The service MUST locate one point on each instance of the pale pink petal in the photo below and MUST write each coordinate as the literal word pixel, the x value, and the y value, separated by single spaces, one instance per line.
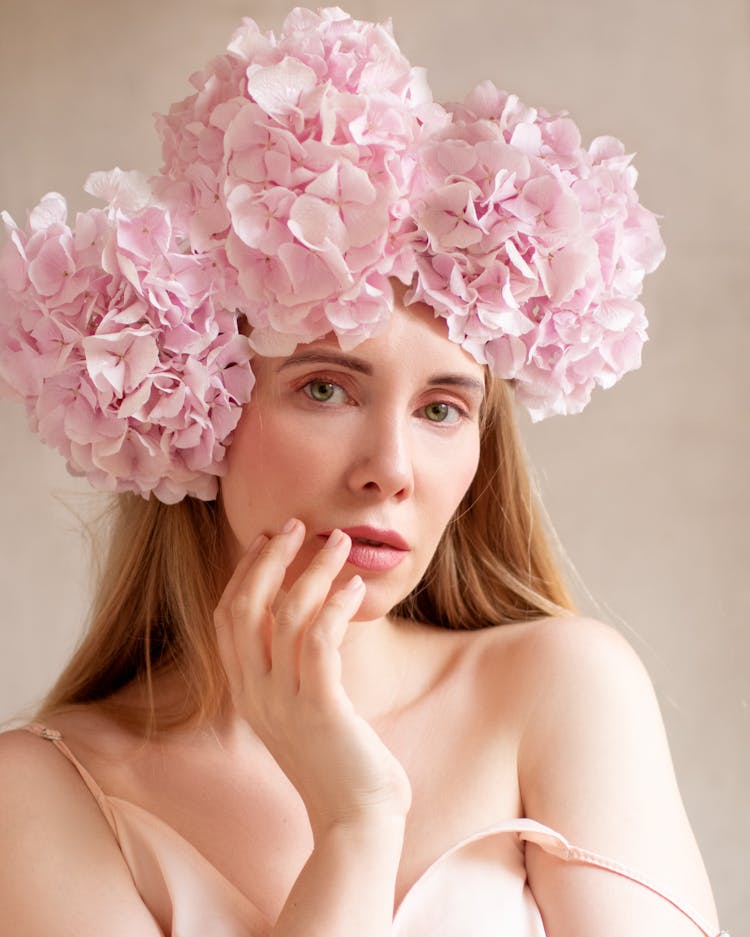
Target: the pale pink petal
pixel 316 223
pixel 128 191
pixel 52 210
pixel 51 267
pixel 277 88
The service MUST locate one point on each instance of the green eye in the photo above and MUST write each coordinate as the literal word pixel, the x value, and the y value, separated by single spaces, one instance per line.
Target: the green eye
pixel 321 390
pixel 438 412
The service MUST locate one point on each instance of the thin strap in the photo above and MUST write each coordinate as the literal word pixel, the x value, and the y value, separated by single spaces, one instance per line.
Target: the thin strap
pixel 527 830
pixel 555 844
pixel 52 735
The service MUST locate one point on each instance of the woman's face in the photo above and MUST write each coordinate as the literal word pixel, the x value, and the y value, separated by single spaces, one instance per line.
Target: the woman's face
pixel 382 442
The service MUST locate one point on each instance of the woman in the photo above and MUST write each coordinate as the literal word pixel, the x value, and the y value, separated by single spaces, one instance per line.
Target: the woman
pixel 291 707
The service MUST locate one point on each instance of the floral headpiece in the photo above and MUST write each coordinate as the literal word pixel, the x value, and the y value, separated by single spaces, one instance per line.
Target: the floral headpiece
pixel 306 172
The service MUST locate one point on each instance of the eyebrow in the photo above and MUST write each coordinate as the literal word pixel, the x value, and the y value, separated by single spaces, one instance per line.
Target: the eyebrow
pixel 362 367
pixel 328 357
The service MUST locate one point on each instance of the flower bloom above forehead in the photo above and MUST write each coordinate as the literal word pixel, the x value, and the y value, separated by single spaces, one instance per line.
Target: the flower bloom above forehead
pixel 305 172
pixel 301 155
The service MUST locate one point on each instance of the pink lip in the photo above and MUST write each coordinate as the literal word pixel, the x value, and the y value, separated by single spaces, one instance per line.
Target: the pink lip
pixel 388 538
pixel 386 551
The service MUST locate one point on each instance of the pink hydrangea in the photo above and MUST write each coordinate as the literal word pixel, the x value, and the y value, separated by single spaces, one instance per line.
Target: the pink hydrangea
pixel 305 174
pixel 299 155
pixel 534 249
pixel 112 335
pixel 336 171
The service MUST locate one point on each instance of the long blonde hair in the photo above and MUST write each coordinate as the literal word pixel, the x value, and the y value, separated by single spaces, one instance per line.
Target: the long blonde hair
pixel 166 568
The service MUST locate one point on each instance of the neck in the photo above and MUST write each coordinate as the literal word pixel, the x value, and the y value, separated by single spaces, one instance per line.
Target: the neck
pixel 379 667
pixel 385 665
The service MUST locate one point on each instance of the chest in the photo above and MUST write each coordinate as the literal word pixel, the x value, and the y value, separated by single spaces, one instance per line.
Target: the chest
pixel 248 821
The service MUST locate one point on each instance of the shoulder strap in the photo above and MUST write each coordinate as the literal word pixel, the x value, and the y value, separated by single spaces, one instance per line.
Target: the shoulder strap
pixel 52 735
pixel 554 843
pixel 527 830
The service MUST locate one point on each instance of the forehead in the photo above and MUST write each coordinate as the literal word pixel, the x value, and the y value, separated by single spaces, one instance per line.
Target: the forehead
pixel 414 338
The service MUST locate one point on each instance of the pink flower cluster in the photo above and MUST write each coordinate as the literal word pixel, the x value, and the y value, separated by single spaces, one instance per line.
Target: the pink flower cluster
pixel 534 249
pixel 322 165
pixel 304 174
pixel 111 334
pixel 300 156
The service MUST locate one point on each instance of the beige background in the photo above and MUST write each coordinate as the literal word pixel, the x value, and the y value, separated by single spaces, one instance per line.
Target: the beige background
pixel 648 488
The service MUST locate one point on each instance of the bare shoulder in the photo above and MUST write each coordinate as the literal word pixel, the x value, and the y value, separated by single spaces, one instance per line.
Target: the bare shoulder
pixel 595 697
pixel 580 653
pixel 594 762
pixel 531 666
pixel 588 723
pixel 588 687
pixel 55 840
pixel 33 771
pixel 568 640
pixel 37 785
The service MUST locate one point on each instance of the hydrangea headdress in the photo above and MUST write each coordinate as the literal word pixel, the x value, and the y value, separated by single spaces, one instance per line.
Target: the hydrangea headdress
pixel 305 173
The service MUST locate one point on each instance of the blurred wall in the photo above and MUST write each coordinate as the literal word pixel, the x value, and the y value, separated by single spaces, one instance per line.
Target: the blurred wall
pixel 647 489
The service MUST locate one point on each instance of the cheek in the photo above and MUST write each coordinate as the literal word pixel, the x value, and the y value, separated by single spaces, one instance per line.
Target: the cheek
pixel 271 468
pixel 291 461
pixel 262 452
pixel 458 474
pixel 470 464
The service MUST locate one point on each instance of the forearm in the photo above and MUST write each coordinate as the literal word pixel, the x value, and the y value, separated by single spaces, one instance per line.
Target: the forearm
pixel 347 885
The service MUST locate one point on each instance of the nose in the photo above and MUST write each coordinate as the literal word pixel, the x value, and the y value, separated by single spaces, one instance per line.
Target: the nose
pixel 382 462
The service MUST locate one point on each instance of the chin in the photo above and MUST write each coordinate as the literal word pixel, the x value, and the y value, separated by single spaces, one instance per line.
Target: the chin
pixel 370 610
pixel 379 602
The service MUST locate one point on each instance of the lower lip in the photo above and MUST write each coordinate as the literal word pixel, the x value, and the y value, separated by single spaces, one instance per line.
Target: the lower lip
pixel 376 559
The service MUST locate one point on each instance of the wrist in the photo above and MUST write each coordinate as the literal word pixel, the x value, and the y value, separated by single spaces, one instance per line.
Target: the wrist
pixel 378 827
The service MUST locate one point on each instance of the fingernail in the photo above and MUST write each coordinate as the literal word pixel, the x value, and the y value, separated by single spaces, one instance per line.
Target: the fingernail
pixel 289 526
pixel 354 584
pixel 334 539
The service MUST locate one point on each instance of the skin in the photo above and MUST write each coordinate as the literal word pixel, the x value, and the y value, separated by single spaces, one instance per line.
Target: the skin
pixel 379 452
pixel 338 441
pixel 351 731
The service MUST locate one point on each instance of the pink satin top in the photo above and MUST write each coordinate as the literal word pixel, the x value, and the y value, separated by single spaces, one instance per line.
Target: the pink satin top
pixel 471 890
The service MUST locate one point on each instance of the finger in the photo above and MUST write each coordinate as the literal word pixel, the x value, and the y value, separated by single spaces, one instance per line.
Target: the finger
pixel 224 621
pixel 255 594
pixel 320 659
pixel 301 606
pixel 240 570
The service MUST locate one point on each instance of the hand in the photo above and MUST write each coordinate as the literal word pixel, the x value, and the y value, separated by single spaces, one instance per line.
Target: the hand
pixel 282 660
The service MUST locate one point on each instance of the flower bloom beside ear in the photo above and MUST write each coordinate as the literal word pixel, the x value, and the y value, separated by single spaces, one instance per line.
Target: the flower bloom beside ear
pixel 111 334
